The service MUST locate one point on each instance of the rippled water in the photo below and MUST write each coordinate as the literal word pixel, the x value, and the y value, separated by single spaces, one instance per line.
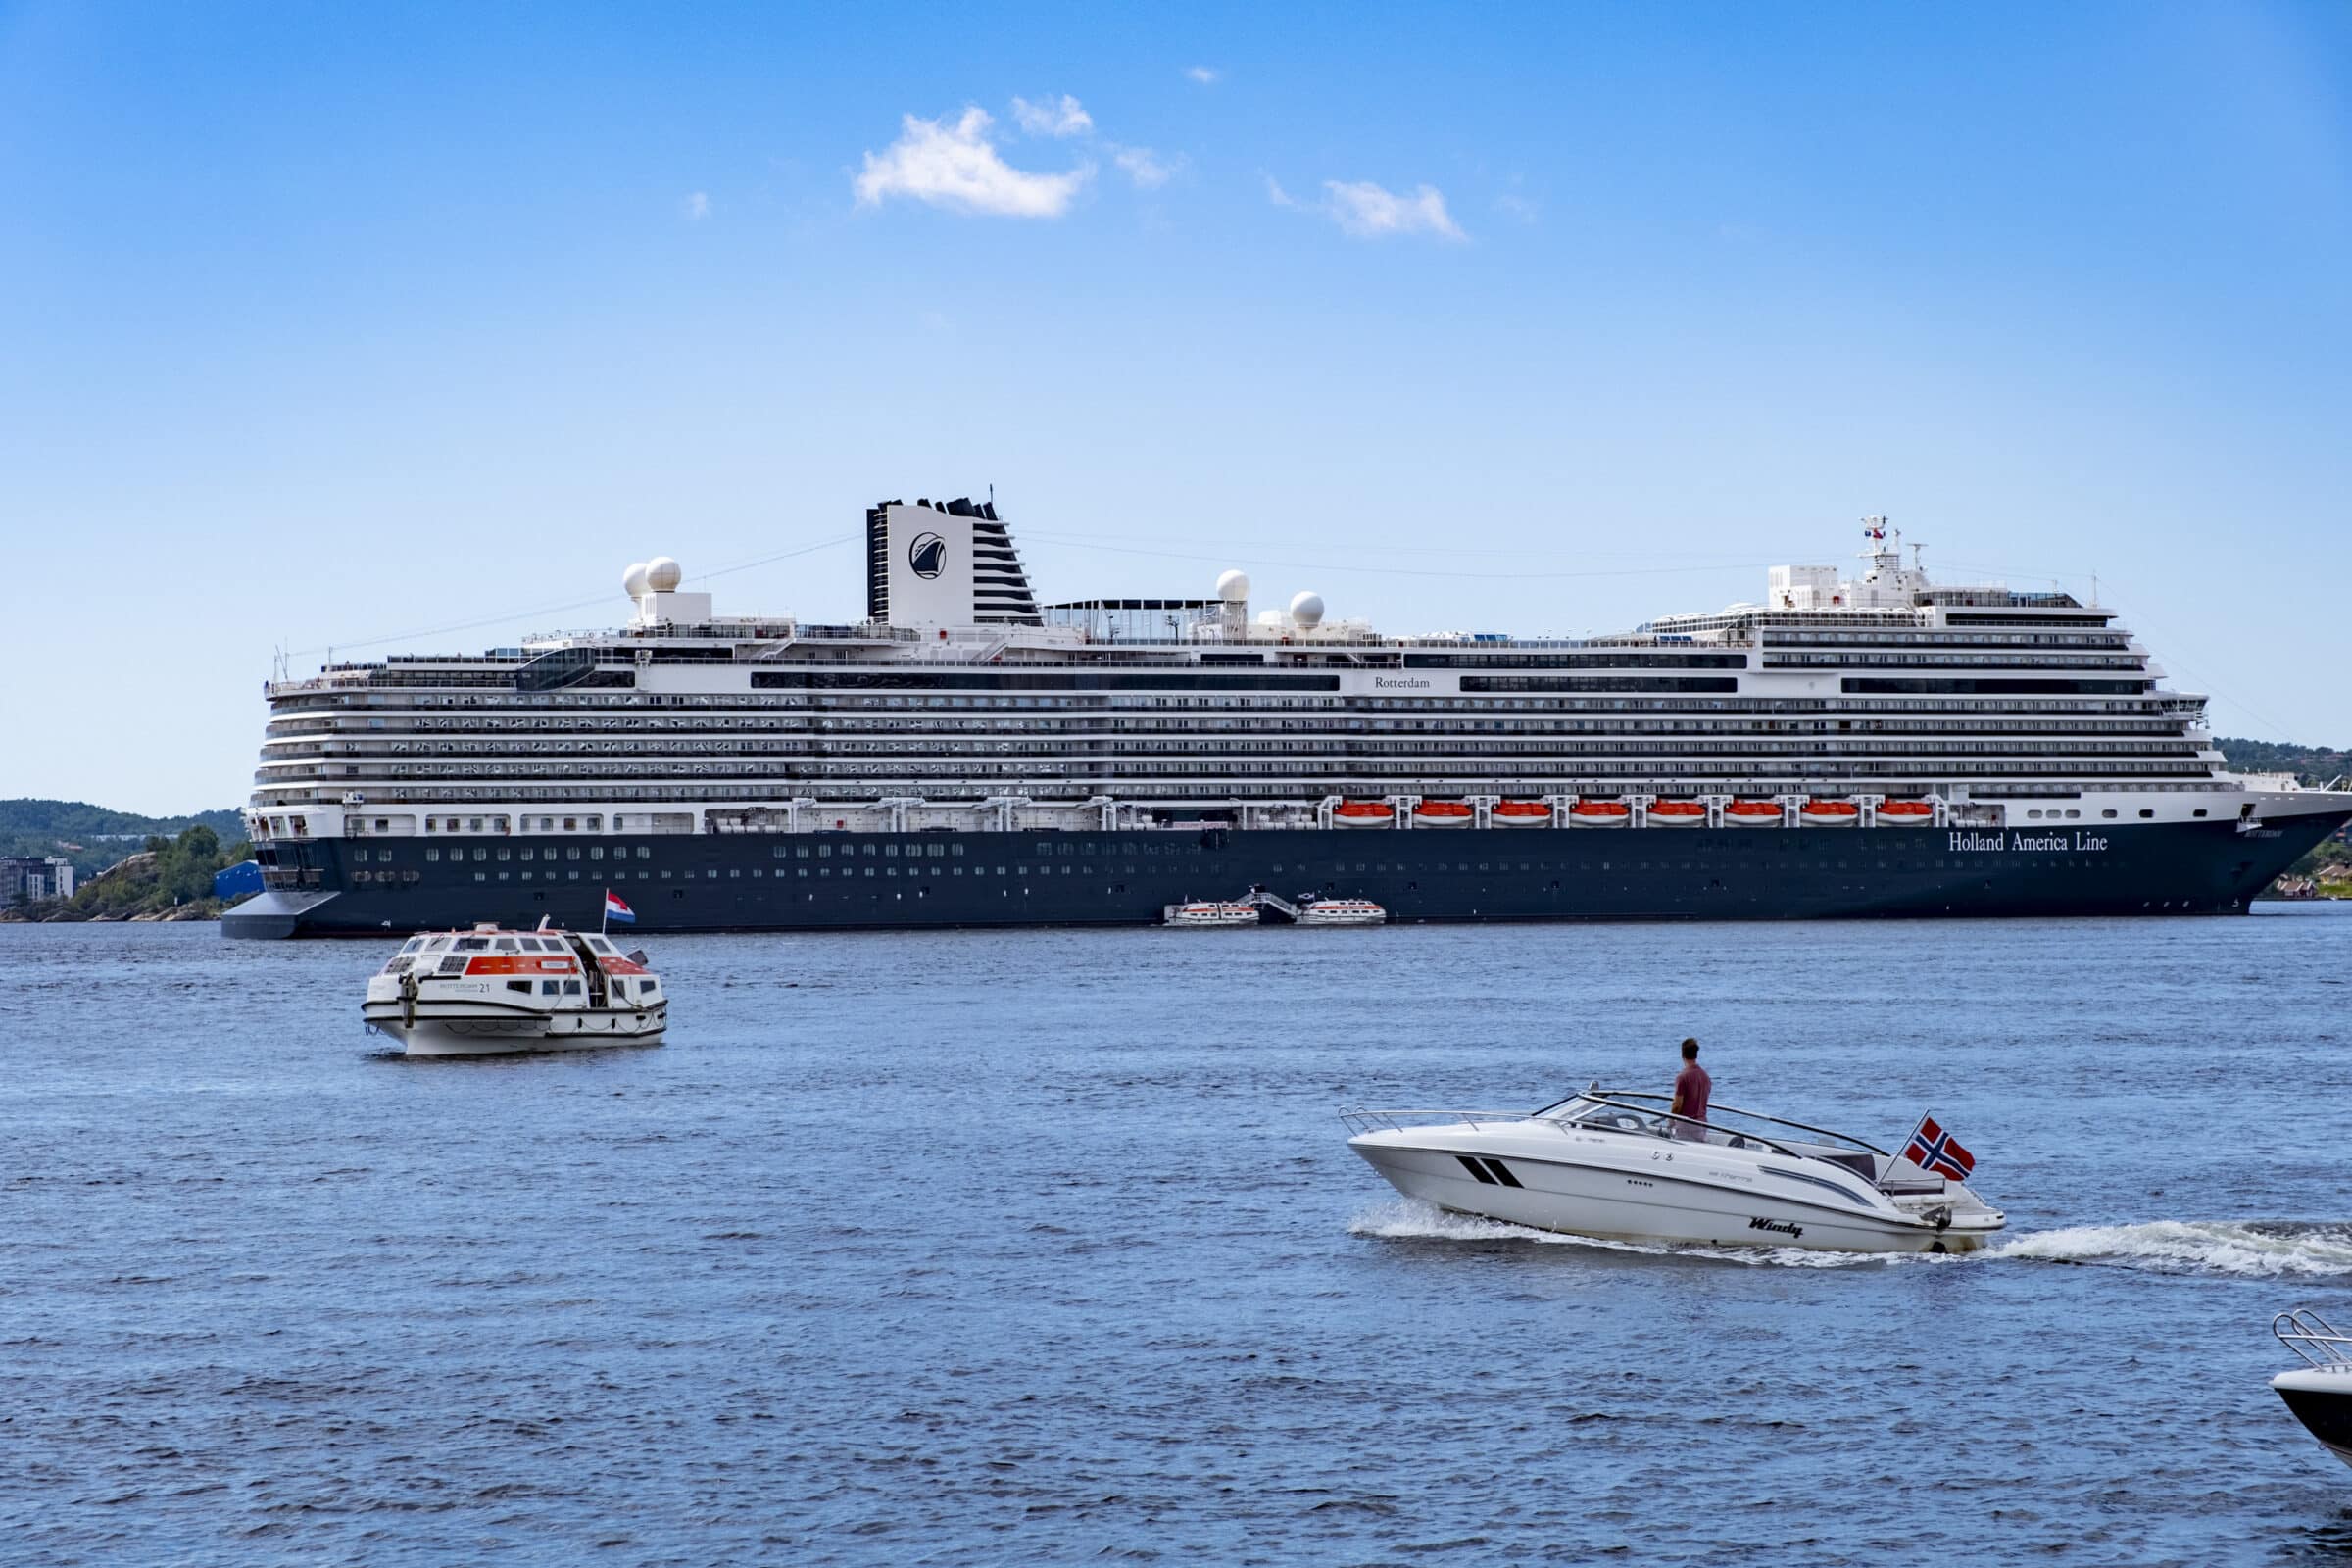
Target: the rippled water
pixel 1045 1247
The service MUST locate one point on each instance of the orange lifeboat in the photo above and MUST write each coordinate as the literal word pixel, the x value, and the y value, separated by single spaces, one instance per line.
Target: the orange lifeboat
pixel 1362 813
pixel 1752 814
pixel 1818 812
pixel 1521 813
pixel 1442 814
pixel 1678 814
pixel 1599 813
pixel 1906 814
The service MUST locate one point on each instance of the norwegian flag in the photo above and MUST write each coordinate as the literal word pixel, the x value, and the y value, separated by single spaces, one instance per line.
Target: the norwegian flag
pixel 1931 1148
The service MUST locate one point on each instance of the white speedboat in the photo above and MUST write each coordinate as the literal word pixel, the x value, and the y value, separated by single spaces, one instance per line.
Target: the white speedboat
pixel 2318 1391
pixel 1340 911
pixel 1210 914
pixel 1619 1166
pixel 489 992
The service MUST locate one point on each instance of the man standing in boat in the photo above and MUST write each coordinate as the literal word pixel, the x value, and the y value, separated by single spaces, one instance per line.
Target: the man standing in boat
pixel 1692 1086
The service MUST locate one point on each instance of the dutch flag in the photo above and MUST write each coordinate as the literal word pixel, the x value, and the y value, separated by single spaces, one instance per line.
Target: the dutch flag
pixel 616 910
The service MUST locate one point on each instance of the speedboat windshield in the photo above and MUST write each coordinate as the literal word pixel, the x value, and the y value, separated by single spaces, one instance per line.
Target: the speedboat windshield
pixel 1586 1111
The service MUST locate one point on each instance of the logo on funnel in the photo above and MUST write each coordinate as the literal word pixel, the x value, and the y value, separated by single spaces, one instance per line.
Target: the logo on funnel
pixel 927 555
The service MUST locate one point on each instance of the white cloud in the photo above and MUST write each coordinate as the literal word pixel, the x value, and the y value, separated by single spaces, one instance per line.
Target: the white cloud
pixel 1068 117
pixel 956 166
pixel 1205 75
pixel 697 205
pixel 1147 168
pixel 1369 210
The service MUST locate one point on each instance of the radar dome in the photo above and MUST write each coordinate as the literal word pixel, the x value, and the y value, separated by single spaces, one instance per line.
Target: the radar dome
pixel 632 581
pixel 1306 609
pixel 662 575
pixel 1233 587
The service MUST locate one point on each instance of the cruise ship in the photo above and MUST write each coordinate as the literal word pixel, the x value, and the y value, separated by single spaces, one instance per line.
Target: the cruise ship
pixel 1856 743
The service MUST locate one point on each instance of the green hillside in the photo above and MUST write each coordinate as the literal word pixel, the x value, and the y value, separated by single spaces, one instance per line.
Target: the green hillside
pixel 94 837
pixel 2313 765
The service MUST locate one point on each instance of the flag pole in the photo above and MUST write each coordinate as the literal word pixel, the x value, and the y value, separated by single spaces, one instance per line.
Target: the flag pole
pixel 603 904
pixel 1908 1141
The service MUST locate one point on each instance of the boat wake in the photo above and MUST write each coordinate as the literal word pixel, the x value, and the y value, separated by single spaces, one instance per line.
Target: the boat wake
pixel 2245 1250
pixel 1411 1220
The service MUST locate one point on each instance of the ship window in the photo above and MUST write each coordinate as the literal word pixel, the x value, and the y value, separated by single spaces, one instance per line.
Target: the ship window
pixel 474 944
pixel 596 852
pixel 571 988
pixel 530 853
pixel 550 988
pixel 572 853
pixel 523 986
pixel 2146 812
pixel 645 852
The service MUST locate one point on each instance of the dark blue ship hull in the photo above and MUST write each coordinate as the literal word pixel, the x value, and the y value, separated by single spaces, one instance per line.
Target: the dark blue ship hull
pixel 847 881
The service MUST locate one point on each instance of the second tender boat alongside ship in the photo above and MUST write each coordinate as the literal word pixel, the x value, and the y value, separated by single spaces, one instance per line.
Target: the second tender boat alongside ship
pixel 964 755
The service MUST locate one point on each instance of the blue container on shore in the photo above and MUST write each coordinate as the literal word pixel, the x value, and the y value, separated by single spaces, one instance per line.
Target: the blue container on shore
pixel 238 880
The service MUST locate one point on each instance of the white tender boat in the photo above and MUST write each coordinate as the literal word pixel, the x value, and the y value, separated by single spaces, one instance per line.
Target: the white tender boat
pixel 1340 911
pixel 1618 1165
pixel 1210 914
pixel 490 992
pixel 2318 1391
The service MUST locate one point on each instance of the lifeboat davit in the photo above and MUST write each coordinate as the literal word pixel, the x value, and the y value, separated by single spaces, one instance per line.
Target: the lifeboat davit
pixel 1521 813
pixel 1362 813
pixel 1601 814
pixel 1752 814
pixel 1829 813
pixel 1442 814
pixel 1678 814
pixel 1906 814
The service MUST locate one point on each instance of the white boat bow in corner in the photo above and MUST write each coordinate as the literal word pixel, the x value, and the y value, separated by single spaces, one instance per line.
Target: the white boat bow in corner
pixel 2320 1392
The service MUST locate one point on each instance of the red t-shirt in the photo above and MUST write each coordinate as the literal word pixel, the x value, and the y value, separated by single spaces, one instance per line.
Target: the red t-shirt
pixel 1691 1087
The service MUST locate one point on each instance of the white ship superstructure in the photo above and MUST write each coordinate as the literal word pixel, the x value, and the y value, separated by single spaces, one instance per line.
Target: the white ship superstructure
pixel 959 716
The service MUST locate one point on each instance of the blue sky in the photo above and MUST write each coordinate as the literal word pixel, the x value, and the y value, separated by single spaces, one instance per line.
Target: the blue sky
pixel 321 326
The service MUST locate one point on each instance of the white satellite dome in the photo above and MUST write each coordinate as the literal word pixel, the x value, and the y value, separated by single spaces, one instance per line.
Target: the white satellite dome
pixel 1306 609
pixel 663 574
pixel 632 581
pixel 1233 587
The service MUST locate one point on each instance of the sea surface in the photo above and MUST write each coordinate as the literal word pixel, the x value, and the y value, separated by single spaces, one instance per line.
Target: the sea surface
pixel 1045 1247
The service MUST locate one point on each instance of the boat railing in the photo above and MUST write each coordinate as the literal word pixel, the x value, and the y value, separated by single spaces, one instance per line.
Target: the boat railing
pixel 2314 1339
pixel 1365 1119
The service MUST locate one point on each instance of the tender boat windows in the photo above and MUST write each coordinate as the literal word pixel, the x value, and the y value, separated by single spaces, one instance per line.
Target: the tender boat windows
pixel 550 988
pixel 474 944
